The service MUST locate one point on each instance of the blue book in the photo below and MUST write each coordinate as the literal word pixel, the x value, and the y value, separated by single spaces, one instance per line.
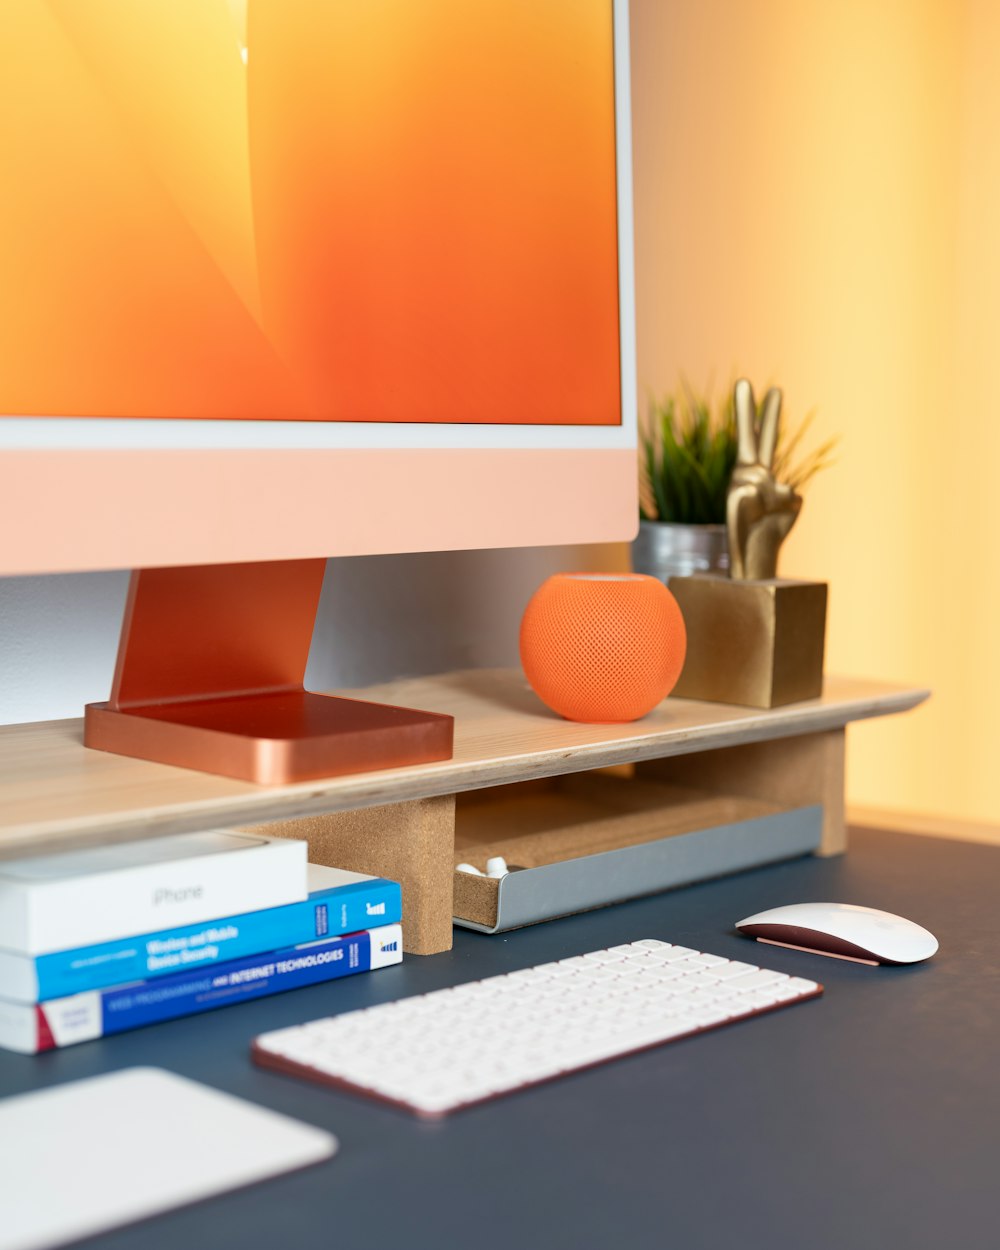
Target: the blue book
pixel 338 902
pixel 32 1027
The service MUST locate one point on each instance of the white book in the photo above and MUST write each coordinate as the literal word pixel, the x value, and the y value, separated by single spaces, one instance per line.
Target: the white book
pixel 56 902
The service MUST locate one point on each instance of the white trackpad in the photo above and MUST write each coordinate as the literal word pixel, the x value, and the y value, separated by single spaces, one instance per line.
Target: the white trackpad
pixel 82 1158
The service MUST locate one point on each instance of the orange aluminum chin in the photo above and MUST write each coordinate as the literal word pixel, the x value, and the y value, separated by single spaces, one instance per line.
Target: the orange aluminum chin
pixel 209 676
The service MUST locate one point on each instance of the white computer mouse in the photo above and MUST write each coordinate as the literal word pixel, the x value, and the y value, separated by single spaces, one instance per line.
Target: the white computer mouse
pixel 843 931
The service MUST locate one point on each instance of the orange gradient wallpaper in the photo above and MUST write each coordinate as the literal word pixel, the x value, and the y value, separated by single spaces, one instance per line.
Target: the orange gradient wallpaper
pixel 309 211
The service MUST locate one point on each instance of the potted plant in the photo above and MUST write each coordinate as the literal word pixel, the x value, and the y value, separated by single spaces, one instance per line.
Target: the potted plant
pixel 687 454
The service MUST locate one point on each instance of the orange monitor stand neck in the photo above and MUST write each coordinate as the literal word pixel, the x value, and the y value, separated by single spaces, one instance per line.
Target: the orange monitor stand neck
pixel 210 675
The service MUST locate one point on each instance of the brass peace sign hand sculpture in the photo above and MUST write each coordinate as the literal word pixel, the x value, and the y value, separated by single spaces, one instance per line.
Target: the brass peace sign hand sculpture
pixel 759 509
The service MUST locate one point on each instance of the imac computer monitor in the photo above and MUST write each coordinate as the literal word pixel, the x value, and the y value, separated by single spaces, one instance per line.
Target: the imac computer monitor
pixel 282 281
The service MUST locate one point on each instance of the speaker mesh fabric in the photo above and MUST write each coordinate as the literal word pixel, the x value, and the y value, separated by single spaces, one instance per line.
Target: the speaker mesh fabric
pixel 602 648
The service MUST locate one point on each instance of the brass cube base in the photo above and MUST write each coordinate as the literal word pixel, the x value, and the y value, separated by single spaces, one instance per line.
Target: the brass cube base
pixel 755 643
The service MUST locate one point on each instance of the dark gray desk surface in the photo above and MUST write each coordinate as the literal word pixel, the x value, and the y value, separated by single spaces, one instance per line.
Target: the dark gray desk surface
pixel 868 1118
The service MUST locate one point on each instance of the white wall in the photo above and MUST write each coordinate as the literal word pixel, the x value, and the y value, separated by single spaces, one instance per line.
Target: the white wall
pixel 58 637
pixel 380 617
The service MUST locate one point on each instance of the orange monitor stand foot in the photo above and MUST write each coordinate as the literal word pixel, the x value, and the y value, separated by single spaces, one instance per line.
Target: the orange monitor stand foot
pixel 209 676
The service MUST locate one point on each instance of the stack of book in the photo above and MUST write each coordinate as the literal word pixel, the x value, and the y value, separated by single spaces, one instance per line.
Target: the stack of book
pixel 102 940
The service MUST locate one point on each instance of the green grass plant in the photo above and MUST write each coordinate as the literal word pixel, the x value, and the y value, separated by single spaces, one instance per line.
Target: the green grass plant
pixel 688 451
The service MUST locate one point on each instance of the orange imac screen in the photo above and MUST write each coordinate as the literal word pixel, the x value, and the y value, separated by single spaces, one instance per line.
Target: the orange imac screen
pixel 327 210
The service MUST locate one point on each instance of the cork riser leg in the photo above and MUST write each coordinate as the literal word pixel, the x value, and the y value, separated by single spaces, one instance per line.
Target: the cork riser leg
pixel 412 843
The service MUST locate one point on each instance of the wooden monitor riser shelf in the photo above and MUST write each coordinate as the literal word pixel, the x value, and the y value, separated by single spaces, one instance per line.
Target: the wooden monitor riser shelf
pixel 400 822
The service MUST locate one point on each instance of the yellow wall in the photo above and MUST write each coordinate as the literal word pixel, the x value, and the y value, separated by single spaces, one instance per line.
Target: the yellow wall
pixel 818 205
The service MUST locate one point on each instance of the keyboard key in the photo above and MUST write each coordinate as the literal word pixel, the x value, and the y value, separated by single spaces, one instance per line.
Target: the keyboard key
pixel 756 980
pixel 733 969
pixel 758 998
pixel 700 980
pixel 664 973
pixel 676 952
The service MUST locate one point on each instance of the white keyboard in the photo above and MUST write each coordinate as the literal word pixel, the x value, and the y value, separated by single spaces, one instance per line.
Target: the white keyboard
pixel 437 1052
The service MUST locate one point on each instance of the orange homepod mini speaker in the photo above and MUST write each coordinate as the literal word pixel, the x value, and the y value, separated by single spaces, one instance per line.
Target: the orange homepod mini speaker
pixel 602 647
